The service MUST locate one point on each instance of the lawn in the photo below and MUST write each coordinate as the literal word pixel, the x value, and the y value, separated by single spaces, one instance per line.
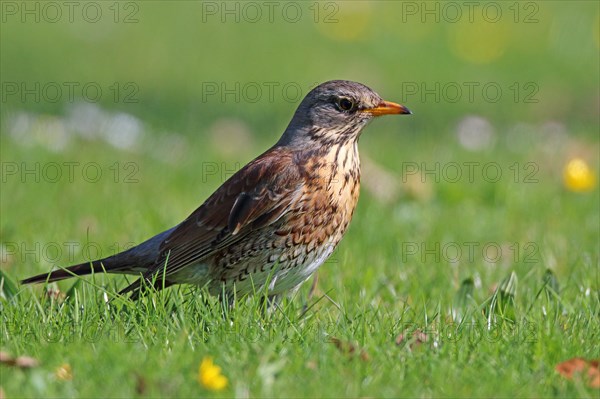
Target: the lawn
pixel 471 268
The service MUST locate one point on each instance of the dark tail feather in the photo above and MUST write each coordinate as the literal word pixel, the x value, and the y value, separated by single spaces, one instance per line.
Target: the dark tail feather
pixel 81 269
pixel 136 260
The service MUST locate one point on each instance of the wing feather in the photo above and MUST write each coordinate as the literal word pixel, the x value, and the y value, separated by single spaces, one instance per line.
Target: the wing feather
pixel 253 198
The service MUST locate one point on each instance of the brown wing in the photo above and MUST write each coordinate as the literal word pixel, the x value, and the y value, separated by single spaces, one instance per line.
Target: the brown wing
pixel 253 198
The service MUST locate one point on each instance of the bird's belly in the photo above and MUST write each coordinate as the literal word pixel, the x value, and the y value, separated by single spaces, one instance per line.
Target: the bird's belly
pixel 289 278
pixel 278 271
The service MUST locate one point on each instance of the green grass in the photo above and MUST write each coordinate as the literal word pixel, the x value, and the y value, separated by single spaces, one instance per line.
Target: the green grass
pixel 161 340
pixel 494 324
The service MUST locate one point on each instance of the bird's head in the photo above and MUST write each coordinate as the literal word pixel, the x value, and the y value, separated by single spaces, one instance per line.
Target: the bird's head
pixel 336 111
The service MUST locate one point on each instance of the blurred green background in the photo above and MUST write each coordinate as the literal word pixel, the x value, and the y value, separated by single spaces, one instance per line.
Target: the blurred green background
pixel 172 50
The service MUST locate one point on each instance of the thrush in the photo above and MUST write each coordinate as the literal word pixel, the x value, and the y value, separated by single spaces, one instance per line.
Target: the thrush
pixel 274 222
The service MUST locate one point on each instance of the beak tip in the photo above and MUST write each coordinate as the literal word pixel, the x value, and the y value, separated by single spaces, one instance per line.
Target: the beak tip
pixel 389 108
pixel 406 111
pixel 397 108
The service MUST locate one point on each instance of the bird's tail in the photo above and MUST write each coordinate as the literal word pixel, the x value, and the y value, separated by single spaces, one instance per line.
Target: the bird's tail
pixel 136 260
pixel 81 269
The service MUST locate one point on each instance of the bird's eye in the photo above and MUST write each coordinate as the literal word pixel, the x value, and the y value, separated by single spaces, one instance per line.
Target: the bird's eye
pixel 345 104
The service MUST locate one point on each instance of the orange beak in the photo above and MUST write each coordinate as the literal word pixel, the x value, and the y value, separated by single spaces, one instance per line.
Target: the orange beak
pixel 388 108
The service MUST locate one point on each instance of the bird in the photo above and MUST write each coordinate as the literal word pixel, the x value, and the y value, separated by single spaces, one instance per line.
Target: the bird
pixel 273 223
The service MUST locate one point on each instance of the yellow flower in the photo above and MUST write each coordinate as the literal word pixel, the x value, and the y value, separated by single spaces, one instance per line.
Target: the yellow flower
pixel 209 375
pixel 578 176
pixel 63 372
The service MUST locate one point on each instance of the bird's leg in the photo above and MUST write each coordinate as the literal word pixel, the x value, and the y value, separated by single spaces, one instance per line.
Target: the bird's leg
pixel 269 303
pixel 311 292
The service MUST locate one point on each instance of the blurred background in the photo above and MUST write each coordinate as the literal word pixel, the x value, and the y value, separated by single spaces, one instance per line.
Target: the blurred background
pixel 119 118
